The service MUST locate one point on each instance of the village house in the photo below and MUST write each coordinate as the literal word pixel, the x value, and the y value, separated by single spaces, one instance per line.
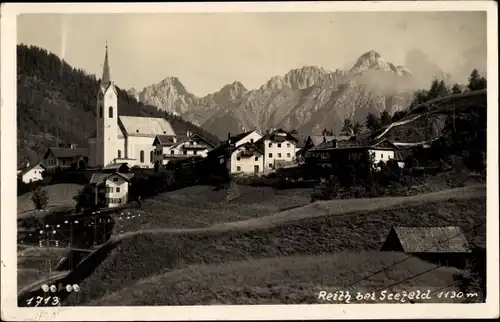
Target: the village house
pixel 442 245
pixel 168 148
pixel 343 152
pixel 239 153
pixel 31 173
pixel 65 158
pixel 122 138
pixel 246 158
pixel 111 189
pixel 279 148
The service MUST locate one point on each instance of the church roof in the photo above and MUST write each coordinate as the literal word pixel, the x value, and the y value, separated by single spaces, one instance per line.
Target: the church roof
pixel 146 126
pixel 106 75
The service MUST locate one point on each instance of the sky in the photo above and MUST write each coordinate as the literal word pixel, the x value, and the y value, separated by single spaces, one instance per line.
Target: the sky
pixel 209 50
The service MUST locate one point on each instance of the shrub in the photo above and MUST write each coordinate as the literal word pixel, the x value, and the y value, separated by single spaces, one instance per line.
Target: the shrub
pixel 85 199
pixel 40 198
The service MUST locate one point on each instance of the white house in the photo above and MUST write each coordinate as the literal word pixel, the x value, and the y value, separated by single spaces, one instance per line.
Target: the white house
pixel 168 148
pixel 239 153
pixel 32 173
pixel 122 138
pixel 111 189
pixel 246 158
pixel 279 148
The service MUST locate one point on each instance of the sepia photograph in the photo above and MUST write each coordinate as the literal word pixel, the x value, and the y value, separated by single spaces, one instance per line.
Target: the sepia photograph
pixel 241 157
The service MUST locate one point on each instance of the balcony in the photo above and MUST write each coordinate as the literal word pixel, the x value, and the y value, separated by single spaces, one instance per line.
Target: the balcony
pixel 188 146
pixel 178 156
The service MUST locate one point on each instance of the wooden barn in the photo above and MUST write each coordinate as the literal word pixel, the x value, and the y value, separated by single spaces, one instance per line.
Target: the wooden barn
pixel 441 245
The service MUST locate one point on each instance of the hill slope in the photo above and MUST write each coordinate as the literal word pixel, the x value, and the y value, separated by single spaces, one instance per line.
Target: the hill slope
pixel 319 228
pixel 56 104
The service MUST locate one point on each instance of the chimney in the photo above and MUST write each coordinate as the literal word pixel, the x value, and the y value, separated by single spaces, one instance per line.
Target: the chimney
pixel 229 137
pixel 27 162
pixel 188 133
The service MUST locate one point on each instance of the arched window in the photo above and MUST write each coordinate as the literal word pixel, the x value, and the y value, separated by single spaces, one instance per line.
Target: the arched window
pixel 151 156
pixel 142 156
pixel 110 112
pixel 100 112
pixel 119 153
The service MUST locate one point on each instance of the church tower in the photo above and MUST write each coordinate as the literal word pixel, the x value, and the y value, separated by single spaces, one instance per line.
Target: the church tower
pixel 106 118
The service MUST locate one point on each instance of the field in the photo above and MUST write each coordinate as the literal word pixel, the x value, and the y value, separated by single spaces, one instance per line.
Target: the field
pixel 60 195
pixel 307 236
pixel 202 206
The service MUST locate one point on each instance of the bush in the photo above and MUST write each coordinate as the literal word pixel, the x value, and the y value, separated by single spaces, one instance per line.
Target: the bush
pixel 40 198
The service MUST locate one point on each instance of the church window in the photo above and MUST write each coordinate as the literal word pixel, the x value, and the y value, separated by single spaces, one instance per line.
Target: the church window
pixel 119 153
pixel 151 157
pixel 111 112
pixel 100 112
pixel 142 156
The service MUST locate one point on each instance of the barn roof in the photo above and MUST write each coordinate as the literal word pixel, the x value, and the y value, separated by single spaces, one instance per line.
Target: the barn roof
pixel 432 239
pixel 146 126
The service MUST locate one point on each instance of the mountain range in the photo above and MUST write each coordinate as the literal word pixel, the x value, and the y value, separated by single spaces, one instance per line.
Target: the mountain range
pixel 308 99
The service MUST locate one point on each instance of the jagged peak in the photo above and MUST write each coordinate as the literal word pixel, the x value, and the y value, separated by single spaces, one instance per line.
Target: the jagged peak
pixel 372 60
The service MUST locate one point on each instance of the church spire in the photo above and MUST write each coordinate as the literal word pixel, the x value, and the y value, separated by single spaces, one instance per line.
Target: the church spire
pixel 106 76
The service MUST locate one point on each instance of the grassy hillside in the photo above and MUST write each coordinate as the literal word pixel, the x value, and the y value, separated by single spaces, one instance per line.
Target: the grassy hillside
pixel 279 280
pixel 60 195
pixel 320 228
pixel 56 104
pixel 202 206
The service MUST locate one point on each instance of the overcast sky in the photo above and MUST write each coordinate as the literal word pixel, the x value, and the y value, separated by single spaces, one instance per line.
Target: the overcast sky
pixel 208 50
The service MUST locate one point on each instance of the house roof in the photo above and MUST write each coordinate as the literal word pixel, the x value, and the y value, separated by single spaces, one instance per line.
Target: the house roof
pixel 318 139
pixel 164 140
pixel 99 177
pixel 432 239
pixel 27 169
pixel 240 136
pixel 354 142
pixel 248 146
pixel 115 166
pixel 66 153
pixel 272 135
pixel 145 126
pixel 192 137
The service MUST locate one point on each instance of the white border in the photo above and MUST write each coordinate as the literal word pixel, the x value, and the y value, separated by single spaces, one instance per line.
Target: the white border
pixel 11 312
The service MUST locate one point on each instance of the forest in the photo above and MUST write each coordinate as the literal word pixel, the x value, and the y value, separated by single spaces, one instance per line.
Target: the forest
pixel 56 105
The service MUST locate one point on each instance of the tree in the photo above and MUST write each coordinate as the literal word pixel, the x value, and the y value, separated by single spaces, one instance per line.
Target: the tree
pixel 85 199
pixel 357 128
pixel 434 90
pixel 326 132
pixel 40 198
pixel 372 122
pixel 476 82
pixel 398 116
pixel 385 118
pixel 347 127
pixel 442 89
pixel 456 89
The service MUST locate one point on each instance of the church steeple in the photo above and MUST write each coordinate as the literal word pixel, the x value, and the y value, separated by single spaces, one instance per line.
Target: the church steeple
pixel 106 76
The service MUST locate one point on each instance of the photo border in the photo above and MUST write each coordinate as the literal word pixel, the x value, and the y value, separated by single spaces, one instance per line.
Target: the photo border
pixel 8 164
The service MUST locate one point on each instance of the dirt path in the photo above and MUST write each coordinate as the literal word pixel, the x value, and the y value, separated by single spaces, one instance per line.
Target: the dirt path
pixel 327 208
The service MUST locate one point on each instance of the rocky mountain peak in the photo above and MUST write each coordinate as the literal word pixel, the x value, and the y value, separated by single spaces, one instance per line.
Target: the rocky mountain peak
pixel 373 61
pixel 231 91
pixel 305 76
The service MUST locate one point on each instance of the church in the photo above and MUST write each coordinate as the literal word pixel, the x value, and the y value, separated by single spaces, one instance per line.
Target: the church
pixel 122 138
